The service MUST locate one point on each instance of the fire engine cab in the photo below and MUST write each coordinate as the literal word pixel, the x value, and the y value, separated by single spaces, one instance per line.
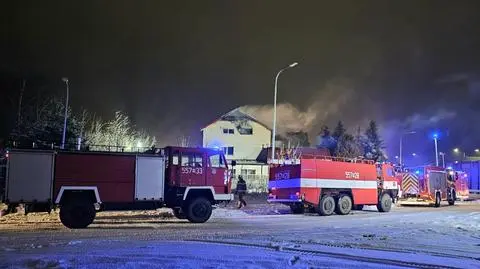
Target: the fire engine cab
pixel 188 180
pixel 330 184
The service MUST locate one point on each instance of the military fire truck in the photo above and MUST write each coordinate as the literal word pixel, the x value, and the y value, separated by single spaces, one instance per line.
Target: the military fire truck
pixel 427 185
pixel 188 180
pixel 328 184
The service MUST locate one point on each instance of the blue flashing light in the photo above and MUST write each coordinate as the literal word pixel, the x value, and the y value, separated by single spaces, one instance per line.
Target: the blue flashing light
pixel 417 172
pixel 449 168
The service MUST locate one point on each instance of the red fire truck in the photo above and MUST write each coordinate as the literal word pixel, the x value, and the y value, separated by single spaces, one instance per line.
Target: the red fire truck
pixel 188 180
pixel 461 185
pixel 328 184
pixel 427 185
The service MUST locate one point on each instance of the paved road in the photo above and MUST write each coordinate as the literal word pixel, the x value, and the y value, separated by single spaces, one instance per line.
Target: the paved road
pixel 446 232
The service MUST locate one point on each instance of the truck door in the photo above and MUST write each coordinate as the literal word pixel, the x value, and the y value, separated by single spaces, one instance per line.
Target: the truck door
pixel 217 173
pixel 191 172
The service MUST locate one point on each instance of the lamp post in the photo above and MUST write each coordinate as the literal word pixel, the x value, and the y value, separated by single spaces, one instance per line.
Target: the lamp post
pixel 66 114
pixel 275 107
pixel 400 159
pixel 443 158
pixel 435 138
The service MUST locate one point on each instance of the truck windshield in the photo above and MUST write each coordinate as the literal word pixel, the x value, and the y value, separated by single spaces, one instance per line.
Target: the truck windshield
pixel 217 161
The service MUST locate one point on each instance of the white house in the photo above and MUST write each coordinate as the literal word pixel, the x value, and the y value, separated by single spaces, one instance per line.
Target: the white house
pixel 242 138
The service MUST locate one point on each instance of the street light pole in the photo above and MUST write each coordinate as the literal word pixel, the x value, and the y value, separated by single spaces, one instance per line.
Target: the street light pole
pixel 66 114
pixel 400 158
pixel 275 107
pixel 443 158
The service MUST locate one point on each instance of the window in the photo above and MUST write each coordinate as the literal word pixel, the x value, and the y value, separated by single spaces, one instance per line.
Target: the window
pixel 228 131
pixel 175 158
pixel 216 161
pixel 192 160
pixel 249 172
pixel 228 150
pixel 390 172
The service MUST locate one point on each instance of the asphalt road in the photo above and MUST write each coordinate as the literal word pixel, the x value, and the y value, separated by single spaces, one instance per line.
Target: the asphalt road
pixel 450 234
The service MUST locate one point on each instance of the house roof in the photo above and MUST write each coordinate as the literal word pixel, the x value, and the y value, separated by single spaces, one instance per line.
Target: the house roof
pixel 266 153
pixel 236 115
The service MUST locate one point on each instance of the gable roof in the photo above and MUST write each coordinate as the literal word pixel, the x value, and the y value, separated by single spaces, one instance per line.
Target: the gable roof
pixel 235 115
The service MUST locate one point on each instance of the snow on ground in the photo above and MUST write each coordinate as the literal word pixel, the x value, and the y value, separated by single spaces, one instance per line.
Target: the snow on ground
pixel 449 234
pixel 168 254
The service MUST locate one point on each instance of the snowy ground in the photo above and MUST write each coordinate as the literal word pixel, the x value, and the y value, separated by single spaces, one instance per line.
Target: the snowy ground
pixel 260 236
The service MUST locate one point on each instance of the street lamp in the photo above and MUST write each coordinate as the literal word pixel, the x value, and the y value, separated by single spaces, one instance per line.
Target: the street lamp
pixel 443 158
pixel 477 150
pixel 66 114
pixel 401 146
pixel 275 107
pixel 456 150
pixel 435 138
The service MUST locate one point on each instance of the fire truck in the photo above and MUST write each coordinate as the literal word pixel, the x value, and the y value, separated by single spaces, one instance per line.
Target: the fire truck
pixel 188 180
pixel 427 185
pixel 461 185
pixel 328 184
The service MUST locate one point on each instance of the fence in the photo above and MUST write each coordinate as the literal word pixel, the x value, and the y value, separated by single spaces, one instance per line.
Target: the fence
pixel 255 183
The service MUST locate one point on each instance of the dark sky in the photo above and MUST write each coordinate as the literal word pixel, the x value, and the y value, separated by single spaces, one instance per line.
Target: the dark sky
pixel 174 66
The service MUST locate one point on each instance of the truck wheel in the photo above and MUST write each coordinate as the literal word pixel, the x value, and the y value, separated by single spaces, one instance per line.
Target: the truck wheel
pixel 452 199
pixel 297 208
pixel 326 206
pixel 177 212
pixel 78 215
pixel 357 207
pixel 198 210
pixel 344 205
pixel 385 203
pixel 438 200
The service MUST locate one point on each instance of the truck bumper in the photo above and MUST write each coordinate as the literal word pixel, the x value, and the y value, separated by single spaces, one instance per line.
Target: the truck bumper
pixel 414 201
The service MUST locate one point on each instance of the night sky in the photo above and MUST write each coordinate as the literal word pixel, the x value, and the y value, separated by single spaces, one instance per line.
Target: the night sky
pixel 174 66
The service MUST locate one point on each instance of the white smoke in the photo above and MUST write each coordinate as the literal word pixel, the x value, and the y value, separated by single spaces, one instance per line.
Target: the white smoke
pixel 422 120
pixel 290 118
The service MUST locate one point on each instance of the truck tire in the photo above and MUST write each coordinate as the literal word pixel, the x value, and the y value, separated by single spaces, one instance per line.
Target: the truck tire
pixel 77 215
pixel 344 205
pixel 198 210
pixel 326 206
pixel 357 207
pixel 385 203
pixel 438 200
pixel 297 208
pixel 452 199
pixel 178 213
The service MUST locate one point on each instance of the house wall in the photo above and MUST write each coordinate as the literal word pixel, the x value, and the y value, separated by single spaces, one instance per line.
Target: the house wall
pixel 245 146
pixel 255 175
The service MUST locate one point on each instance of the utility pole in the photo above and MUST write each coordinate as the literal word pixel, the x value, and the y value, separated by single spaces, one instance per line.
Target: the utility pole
pixel 20 98
pixel 66 114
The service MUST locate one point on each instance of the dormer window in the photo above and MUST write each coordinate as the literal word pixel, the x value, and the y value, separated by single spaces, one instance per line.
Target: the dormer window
pixel 228 131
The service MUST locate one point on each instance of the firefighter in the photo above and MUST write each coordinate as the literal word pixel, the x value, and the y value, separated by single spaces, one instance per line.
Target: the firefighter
pixel 241 190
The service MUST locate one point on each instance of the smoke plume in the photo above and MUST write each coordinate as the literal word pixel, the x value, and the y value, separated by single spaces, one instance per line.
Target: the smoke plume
pixel 327 101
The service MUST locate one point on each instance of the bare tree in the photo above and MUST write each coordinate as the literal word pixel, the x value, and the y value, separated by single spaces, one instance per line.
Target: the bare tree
pixel 117 135
pixel 183 141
